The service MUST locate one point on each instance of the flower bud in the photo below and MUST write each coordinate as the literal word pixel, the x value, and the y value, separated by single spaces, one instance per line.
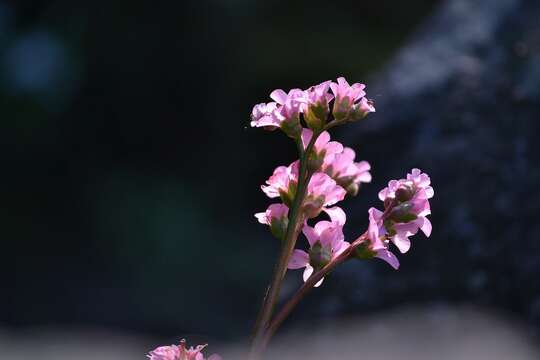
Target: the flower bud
pixel 364 251
pixel 341 109
pixel 277 217
pixel 405 192
pixel 402 213
pixel 278 227
pixel 315 160
pixel 313 206
pixel 319 256
pixel 292 127
pixel 361 110
pixel 315 117
pixel 287 196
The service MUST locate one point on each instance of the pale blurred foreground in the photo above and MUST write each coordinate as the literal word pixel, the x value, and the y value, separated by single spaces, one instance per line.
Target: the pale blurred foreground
pixel 435 332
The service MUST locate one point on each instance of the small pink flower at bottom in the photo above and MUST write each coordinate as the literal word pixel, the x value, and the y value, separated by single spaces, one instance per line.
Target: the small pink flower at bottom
pixel 180 352
pixel 326 241
pixel 171 352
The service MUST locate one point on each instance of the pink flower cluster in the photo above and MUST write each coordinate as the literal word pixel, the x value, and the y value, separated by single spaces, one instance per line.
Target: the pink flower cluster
pixel 406 203
pixel 334 170
pixel 334 173
pixel 348 103
pixel 180 352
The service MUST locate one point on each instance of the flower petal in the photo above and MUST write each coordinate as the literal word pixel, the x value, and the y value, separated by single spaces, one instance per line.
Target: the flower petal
pixel 387 256
pixel 279 96
pixel 336 214
pixel 425 226
pixel 299 259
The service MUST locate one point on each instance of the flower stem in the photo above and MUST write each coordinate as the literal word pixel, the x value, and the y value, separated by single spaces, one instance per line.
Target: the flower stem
pixel 295 220
pixel 314 279
pixel 306 287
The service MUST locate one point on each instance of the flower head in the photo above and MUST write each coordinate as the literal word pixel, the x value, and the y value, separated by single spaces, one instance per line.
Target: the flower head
pixel 406 207
pixel 345 97
pixel 180 352
pixel 326 242
pixel 171 352
pixel 316 106
pixel 282 113
pixel 409 202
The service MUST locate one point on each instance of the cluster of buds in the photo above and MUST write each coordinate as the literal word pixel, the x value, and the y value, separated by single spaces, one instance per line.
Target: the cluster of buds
pixel 345 103
pixel 406 205
pixel 180 352
pixel 302 114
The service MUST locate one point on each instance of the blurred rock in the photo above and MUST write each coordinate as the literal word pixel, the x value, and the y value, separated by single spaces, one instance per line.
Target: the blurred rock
pixel 461 101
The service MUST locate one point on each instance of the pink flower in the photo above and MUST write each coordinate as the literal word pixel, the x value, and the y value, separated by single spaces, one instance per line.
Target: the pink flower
pixel 262 116
pixel 290 104
pixel 378 244
pixel 283 113
pixel 347 173
pixel 276 216
pixel 180 352
pixel 345 97
pixel 165 353
pixel 326 241
pixel 316 106
pixel 409 199
pixel 283 183
pixel 406 207
pixel 366 106
pixel 331 158
pixel 322 148
pixel 322 191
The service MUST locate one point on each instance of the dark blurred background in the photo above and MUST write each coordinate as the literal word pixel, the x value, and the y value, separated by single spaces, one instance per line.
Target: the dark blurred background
pixel 130 174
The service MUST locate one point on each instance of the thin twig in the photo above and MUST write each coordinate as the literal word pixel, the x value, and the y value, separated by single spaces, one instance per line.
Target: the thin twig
pixel 295 219
pixel 306 287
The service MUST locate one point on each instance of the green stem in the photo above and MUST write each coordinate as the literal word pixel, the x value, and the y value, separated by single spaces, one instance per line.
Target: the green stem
pixel 306 287
pixel 295 219
pixel 314 279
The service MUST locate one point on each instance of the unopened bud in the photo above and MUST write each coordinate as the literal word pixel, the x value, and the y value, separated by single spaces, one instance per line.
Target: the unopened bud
pixel 405 193
pixel 312 206
pixel 319 256
pixel 402 213
pixel 278 227
pixel 315 116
